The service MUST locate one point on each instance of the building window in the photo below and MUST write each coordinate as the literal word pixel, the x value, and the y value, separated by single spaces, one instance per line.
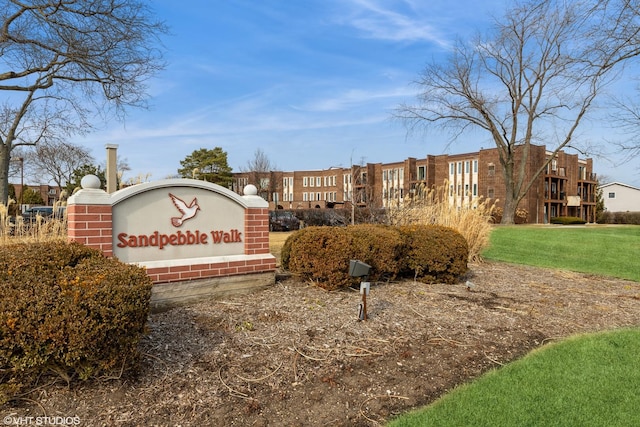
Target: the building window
pixel 305 197
pixel 475 190
pixel 305 181
pixel 612 195
pixel 284 182
pixel 466 167
pixel 490 193
pixel 452 168
pixel 312 181
pixel 422 174
pixel 475 166
pixel 459 168
pixel 491 169
pixel 319 181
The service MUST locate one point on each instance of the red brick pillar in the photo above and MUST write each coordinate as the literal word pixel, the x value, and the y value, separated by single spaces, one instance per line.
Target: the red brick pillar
pixel 89 216
pixel 256 231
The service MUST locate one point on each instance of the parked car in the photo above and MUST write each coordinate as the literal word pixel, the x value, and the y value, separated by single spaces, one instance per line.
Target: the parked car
pixel 283 221
pixel 31 213
pixel 46 212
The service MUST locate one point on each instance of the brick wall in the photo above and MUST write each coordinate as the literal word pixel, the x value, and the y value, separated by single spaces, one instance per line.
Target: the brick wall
pixel 91 225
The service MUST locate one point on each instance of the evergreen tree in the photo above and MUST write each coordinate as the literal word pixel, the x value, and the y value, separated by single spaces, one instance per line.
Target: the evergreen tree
pixel 207 165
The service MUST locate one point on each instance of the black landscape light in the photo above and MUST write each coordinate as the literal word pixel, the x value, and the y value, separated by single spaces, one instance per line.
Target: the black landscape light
pixel 360 269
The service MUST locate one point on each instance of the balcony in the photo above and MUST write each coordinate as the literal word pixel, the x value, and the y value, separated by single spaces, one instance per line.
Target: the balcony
pixel 590 177
pixel 559 172
pixel 555 195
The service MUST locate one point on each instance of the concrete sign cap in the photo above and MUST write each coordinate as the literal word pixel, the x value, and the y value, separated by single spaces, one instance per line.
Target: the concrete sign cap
pixel 250 190
pixel 90 181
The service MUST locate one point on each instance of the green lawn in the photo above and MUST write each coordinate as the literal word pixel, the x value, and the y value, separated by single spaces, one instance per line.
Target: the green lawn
pixel 588 380
pixel 604 250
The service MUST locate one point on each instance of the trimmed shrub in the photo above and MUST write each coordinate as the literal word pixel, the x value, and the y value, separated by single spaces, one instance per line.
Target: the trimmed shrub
pixel 379 246
pixel 320 254
pixel 285 251
pixel 68 310
pixel 567 220
pixel 428 253
pixel 434 253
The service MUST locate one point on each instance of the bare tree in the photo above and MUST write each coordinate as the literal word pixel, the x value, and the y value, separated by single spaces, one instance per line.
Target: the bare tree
pixel 627 120
pixel 122 167
pixel 57 161
pixel 533 79
pixel 62 60
pixel 259 172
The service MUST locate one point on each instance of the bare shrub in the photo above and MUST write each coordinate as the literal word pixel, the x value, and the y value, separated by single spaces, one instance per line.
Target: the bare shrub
pixel 472 218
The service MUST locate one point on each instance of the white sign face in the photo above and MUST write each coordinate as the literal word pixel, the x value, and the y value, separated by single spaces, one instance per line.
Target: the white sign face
pixel 177 222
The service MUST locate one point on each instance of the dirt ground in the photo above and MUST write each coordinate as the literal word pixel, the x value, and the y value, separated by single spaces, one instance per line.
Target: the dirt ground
pixel 295 355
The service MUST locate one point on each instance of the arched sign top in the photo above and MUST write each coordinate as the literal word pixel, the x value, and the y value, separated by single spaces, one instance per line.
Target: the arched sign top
pixel 247 201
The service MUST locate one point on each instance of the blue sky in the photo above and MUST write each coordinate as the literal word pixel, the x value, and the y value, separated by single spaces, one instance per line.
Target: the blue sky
pixel 312 83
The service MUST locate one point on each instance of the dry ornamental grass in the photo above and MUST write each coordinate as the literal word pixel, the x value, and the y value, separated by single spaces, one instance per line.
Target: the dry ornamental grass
pixel 15 229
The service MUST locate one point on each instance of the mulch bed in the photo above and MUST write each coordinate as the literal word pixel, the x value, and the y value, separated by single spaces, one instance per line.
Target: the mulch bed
pixel 296 355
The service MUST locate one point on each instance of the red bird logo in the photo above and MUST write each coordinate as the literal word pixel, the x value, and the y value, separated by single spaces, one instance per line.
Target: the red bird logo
pixel 188 211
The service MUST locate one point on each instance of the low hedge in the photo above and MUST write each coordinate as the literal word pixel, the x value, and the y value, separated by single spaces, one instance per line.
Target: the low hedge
pixel 567 220
pixel 67 310
pixel 632 218
pixel 427 253
pixel 319 254
pixel 379 246
pixel 434 253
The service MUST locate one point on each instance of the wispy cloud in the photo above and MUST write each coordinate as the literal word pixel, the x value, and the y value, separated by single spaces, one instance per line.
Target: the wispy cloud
pixel 353 98
pixel 385 21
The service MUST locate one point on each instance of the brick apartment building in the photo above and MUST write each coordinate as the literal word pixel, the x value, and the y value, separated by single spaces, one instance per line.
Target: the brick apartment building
pixel 567 186
pixel 50 194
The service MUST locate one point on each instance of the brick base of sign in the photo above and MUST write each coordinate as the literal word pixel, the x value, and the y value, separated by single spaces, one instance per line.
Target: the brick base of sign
pixel 200 270
pixel 182 284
